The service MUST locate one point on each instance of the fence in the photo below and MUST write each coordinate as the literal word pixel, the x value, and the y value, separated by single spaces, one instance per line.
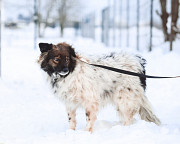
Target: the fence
pixel 129 23
pixel 122 23
pixel 105 25
pixel 88 26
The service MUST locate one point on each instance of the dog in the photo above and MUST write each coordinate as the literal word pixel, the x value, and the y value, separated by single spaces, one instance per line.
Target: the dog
pixel 79 84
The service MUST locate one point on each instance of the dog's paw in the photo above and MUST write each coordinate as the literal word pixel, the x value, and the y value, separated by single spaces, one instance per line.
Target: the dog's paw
pixel 89 129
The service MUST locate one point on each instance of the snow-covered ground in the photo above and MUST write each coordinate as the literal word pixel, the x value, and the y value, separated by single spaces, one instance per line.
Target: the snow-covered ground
pixel 30 114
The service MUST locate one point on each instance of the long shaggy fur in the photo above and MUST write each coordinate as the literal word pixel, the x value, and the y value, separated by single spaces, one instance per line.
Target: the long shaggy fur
pixel 92 88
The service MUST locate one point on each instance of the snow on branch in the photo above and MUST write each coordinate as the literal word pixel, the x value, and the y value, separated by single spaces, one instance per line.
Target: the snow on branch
pixel 176 29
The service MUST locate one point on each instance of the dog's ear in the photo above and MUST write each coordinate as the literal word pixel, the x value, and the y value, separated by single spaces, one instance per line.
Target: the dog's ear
pixel 72 52
pixel 44 47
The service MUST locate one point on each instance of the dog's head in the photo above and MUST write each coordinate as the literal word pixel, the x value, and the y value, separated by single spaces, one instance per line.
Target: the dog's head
pixel 57 60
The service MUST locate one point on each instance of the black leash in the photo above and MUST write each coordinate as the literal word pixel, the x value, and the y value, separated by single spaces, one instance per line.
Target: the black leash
pixel 129 72
pixel 125 71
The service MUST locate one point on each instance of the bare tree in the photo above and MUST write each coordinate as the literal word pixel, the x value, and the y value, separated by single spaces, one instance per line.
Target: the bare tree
pixel 174 19
pixel 44 14
pixel 164 18
pixel 60 11
pixel 66 10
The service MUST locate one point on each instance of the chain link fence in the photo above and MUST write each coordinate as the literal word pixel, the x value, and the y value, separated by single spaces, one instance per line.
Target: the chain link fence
pixel 128 23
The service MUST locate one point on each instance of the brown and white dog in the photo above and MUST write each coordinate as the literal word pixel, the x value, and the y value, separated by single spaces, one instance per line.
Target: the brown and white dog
pixel 79 84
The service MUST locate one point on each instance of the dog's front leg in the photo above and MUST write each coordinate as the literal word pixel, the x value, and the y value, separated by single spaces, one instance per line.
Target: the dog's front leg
pixel 91 117
pixel 71 117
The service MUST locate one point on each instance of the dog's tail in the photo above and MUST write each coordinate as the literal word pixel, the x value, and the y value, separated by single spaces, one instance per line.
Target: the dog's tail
pixel 146 112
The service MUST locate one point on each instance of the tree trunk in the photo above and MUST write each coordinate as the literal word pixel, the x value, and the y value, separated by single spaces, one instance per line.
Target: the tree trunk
pixel 174 18
pixel 39 25
pixel 62 29
pixel 39 19
pixel 62 16
pixel 164 17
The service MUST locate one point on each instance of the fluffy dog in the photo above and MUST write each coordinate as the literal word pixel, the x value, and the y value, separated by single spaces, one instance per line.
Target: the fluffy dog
pixel 79 84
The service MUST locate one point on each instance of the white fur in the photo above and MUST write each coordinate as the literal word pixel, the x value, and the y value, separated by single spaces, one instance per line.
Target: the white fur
pixel 92 88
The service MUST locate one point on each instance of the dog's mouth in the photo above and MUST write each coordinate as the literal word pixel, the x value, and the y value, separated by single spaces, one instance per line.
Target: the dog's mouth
pixel 63 73
pixel 57 75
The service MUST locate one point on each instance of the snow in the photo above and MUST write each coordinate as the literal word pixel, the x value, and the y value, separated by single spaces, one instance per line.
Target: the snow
pixel 30 114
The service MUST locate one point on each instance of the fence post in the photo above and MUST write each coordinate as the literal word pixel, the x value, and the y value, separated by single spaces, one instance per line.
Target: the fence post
pixel 93 26
pixel 127 26
pixel 105 26
pixel 114 23
pixel 108 24
pixel 82 27
pixel 137 25
pixel 120 33
pixel 151 25
pixel 102 26
pixel 35 23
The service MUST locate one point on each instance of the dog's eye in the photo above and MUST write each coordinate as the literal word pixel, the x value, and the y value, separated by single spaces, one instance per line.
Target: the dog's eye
pixel 56 60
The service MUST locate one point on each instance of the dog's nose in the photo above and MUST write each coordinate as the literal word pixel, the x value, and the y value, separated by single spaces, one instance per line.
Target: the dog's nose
pixel 65 69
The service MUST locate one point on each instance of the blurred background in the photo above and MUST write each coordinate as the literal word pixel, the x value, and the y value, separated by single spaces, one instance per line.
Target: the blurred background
pixel 29 113
pixel 92 27
pixel 142 24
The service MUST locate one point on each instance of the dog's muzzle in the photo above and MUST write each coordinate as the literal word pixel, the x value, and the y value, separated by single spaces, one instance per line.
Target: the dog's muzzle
pixel 64 72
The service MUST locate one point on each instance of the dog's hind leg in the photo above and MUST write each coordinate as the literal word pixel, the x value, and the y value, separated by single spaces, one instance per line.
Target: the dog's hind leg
pixel 126 115
pixel 71 117
pixel 91 116
pixel 126 108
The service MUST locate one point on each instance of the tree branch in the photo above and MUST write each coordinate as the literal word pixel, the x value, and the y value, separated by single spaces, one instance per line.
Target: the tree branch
pixel 157 12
